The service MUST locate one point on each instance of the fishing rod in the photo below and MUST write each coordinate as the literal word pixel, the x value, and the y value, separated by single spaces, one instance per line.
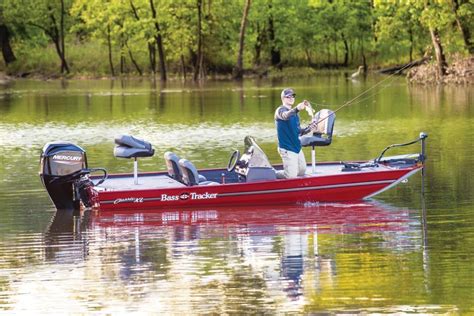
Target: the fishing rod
pixel 351 101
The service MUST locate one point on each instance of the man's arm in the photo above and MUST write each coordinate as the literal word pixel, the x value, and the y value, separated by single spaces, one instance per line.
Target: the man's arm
pixel 285 114
pixel 305 130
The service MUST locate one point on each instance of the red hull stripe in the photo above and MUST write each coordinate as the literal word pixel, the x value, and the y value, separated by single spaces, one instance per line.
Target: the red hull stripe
pixel 319 187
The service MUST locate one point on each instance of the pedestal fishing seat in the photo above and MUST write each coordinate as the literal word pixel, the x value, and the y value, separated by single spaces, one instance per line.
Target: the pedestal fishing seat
pixel 321 133
pixel 130 147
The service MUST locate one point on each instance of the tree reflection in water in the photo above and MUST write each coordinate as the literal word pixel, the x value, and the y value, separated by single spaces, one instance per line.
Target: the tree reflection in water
pixel 261 259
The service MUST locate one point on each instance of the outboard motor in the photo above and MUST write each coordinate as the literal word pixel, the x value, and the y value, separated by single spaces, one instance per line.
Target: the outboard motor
pixel 64 174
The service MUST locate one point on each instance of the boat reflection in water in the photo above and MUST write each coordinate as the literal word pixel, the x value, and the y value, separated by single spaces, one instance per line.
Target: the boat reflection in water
pixel 286 252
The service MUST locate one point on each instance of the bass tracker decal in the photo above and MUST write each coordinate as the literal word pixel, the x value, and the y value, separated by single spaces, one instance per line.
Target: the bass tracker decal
pixel 166 198
pixel 186 196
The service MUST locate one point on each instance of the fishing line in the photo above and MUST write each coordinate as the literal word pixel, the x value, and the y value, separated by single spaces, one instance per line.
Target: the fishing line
pixel 351 101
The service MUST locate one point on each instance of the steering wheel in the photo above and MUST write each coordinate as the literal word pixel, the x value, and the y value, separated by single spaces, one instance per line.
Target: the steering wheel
pixel 234 158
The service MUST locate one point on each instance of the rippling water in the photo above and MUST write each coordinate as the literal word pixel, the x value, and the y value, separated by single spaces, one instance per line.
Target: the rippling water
pixel 375 256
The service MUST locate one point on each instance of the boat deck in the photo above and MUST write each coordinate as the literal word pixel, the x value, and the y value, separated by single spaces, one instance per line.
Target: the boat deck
pixel 145 182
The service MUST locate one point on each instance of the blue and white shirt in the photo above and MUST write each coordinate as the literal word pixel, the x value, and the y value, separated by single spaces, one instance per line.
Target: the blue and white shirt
pixel 287 123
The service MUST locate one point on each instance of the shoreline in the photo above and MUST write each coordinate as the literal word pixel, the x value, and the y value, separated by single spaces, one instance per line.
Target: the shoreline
pixel 459 72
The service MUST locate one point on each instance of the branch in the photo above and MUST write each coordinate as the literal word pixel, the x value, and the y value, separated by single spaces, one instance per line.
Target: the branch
pixel 134 10
pixel 42 28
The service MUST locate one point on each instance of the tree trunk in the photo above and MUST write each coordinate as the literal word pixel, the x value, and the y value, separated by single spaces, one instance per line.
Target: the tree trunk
pixel 151 47
pixel 352 49
pixel 465 31
pixel 183 67
pixel 109 47
pixel 258 45
pixel 55 35
pixel 7 51
pixel 152 57
pixel 440 58
pixel 328 51
pixel 198 71
pixel 58 37
pixel 64 65
pixel 238 70
pixel 364 61
pixel 346 50
pixel 400 68
pixel 274 51
pixel 308 57
pixel 159 43
pixel 410 32
pixel 122 58
pixel 134 62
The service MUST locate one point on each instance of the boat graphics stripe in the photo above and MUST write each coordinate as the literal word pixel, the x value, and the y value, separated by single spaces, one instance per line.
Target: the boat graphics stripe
pixel 319 187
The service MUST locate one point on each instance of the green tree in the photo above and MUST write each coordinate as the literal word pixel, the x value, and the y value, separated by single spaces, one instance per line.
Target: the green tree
pixel 5 36
pixel 463 11
pixel 436 17
pixel 97 18
pixel 238 70
pixel 50 17
pixel 399 30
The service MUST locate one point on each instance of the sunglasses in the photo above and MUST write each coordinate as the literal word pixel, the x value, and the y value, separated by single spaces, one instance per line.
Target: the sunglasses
pixel 291 96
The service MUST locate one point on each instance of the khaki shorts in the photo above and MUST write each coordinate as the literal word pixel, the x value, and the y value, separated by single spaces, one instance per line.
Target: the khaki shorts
pixel 294 164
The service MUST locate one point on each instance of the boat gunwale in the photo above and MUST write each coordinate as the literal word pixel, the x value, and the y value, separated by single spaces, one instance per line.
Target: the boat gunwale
pixel 281 183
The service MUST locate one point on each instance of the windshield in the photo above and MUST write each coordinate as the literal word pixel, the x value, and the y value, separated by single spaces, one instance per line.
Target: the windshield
pixel 257 157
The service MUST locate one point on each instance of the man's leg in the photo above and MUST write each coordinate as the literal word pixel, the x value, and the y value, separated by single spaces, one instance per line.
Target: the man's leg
pixel 301 164
pixel 290 164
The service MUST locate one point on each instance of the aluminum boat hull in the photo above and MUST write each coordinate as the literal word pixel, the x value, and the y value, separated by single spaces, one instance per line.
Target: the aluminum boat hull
pixel 328 184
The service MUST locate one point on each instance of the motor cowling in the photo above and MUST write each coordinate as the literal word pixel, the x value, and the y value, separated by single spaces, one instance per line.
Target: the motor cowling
pixel 63 171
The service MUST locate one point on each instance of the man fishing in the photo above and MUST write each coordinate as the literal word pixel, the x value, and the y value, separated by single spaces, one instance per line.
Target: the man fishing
pixel 287 123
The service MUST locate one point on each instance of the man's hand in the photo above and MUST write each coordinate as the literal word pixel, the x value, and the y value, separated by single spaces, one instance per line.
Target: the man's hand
pixel 301 106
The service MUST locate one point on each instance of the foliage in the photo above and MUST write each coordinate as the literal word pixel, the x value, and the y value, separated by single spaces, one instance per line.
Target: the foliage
pixel 304 33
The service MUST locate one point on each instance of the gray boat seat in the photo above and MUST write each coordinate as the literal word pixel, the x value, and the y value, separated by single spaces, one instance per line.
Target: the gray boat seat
pixel 130 147
pixel 314 140
pixel 322 132
pixel 172 164
pixel 190 174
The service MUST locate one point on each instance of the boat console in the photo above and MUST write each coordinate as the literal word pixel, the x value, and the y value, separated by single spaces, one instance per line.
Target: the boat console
pixel 254 164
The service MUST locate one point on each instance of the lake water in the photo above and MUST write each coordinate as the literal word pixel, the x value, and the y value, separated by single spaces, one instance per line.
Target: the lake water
pixel 373 256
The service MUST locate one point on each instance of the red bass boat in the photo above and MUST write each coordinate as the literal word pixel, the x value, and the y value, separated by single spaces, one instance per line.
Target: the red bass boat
pixel 249 179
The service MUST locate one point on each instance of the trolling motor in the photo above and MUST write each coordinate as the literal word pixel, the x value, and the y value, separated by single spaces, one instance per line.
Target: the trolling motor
pixel 421 157
pixel 65 175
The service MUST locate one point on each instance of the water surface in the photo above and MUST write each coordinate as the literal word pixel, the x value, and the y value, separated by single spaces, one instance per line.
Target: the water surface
pixel 369 257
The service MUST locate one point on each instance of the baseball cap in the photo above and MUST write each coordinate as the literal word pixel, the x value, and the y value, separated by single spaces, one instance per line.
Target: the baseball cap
pixel 287 92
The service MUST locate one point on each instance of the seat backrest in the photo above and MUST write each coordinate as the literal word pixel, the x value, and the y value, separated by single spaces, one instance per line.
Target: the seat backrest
pixel 325 119
pixel 172 164
pixel 189 171
pixel 132 142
